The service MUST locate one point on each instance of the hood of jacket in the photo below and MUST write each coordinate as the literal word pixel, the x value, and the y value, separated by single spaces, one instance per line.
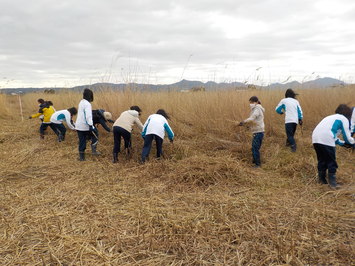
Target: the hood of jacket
pixel 133 113
pixel 258 106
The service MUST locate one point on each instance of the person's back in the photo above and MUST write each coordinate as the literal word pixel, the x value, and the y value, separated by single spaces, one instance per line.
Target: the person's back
pixel 328 130
pixel 127 119
pixel 291 108
pixel 47 113
pixel 157 124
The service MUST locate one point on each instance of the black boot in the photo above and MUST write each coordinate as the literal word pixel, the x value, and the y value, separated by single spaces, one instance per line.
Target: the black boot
pixel 293 148
pixel 321 177
pixel 115 157
pixel 332 181
pixel 81 156
pixel 93 149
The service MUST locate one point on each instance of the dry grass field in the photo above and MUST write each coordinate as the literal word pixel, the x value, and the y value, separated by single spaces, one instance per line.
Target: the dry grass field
pixel 203 204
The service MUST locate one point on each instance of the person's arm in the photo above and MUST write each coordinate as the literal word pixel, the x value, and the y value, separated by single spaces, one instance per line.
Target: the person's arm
pixel 145 126
pixel 280 108
pixel 88 114
pixel 343 126
pixel 69 121
pixel 353 122
pixel 169 131
pixel 139 123
pixel 252 116
pixel 299 111
pixel 36 115
pixel 102 122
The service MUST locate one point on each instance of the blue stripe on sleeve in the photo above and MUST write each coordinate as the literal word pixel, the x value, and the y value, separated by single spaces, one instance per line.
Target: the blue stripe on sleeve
pixel 280 109
pixel 299 112
pixel 145 129
pixel 169 131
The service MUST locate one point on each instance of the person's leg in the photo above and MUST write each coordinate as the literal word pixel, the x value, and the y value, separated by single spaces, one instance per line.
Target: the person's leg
pixel 159 143
pixel 42 129
pixel 148 139
pixel 116 143
pixel 322 165
pixel 127 140
pixel 52 126
pixel 82 144
pixel 61 132
pixel 332 165
pixel 256 145
pixel 290 132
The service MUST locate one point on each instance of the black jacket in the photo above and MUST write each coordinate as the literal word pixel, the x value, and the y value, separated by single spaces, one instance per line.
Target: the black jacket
pixel 98 118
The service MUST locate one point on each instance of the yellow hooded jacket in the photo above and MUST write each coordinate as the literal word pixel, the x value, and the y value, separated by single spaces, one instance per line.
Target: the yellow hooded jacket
pixel 47 113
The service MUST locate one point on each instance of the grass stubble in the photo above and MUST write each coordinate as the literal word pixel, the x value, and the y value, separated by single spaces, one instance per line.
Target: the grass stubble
pixel 202 204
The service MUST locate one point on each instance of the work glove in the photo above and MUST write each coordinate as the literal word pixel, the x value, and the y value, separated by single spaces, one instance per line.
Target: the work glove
pixel 241 124
pixel 171 141
pixel 30 117
pixel 91 128
pixel 300 121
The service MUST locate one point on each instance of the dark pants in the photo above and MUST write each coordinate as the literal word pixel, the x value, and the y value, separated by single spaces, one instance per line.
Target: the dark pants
pixel 255 147
pixel 59 129
pixel 148 139
pixel 326 158
pixel 119 132
pixel 290 133
pixel 83 136
pixel 44 127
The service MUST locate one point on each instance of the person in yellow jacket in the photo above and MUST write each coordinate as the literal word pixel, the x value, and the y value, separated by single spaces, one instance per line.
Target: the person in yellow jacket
pixel 46 110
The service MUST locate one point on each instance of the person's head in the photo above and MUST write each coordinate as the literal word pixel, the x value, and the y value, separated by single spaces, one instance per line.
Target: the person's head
pixel 49 103
pixel 40 101
pixel 88 95
pixel 136 108
pixel 73 111
pixel 344 110
pixel 290 94
pixel 107 115
pixel 163 113
pixel 254 99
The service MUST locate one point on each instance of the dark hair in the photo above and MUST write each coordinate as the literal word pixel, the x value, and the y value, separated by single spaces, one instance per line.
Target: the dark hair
pixel 344 110
pixel 136 108
pixel 88 95
pixel 49 103
pixel 290 94
pixel 40 100
pixel 254 99
pixel 73 111
pixel 163 113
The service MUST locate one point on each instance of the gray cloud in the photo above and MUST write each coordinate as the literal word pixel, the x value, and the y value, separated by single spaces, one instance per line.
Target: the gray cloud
pixel 68 42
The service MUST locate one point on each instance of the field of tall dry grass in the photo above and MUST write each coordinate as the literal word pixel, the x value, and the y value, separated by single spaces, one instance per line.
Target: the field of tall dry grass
pixel 202 204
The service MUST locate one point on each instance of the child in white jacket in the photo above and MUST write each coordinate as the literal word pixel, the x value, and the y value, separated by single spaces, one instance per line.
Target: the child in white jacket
pixel 293 116
pixel 154 128
pixel 57 120
pixel 256 119
pixel 325 138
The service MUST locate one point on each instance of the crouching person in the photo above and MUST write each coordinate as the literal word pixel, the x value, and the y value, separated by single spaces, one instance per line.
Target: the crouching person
pixel 325 138
pixel 123 128
pixel 256 121
pixel 154 129
pixel 46 111
pixel 57 120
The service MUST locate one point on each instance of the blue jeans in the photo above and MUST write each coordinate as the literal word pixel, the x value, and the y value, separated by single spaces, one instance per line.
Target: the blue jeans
pixel 148 139
pixel 255 147
pixel 290 132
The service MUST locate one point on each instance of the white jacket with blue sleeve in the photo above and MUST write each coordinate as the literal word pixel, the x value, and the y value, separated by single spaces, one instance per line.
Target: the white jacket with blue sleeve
pixel 328 130
pixel 60 116
pixel 352 129
pixel 292 109
pixel 157 124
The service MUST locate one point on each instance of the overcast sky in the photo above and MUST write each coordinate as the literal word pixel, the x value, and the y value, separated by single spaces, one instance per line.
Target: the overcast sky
pixel 76 42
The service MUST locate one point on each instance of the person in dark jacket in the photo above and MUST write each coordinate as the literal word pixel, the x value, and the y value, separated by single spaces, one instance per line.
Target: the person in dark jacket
pixel 100 116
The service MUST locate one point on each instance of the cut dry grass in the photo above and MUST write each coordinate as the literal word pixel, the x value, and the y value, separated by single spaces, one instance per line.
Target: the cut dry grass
pixel 201 204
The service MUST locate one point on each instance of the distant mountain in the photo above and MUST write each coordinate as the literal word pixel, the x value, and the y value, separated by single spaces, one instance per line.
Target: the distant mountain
pixel 189 84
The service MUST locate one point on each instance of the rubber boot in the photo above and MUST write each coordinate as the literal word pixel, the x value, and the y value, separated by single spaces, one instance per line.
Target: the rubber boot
pixel 115 157
pixel 332 181
pixel 81 156
pixel 293 148
pixel 93 149
pixel 41 136
pixel 321 177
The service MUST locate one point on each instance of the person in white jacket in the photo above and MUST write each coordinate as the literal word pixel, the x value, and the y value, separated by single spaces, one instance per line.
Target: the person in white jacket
pixel 57 120
pixel 352 123
pixel 293 116
pixel 256 121
pixel 154 128
pixel 84 124
pixel 123 128
pixel 325 138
